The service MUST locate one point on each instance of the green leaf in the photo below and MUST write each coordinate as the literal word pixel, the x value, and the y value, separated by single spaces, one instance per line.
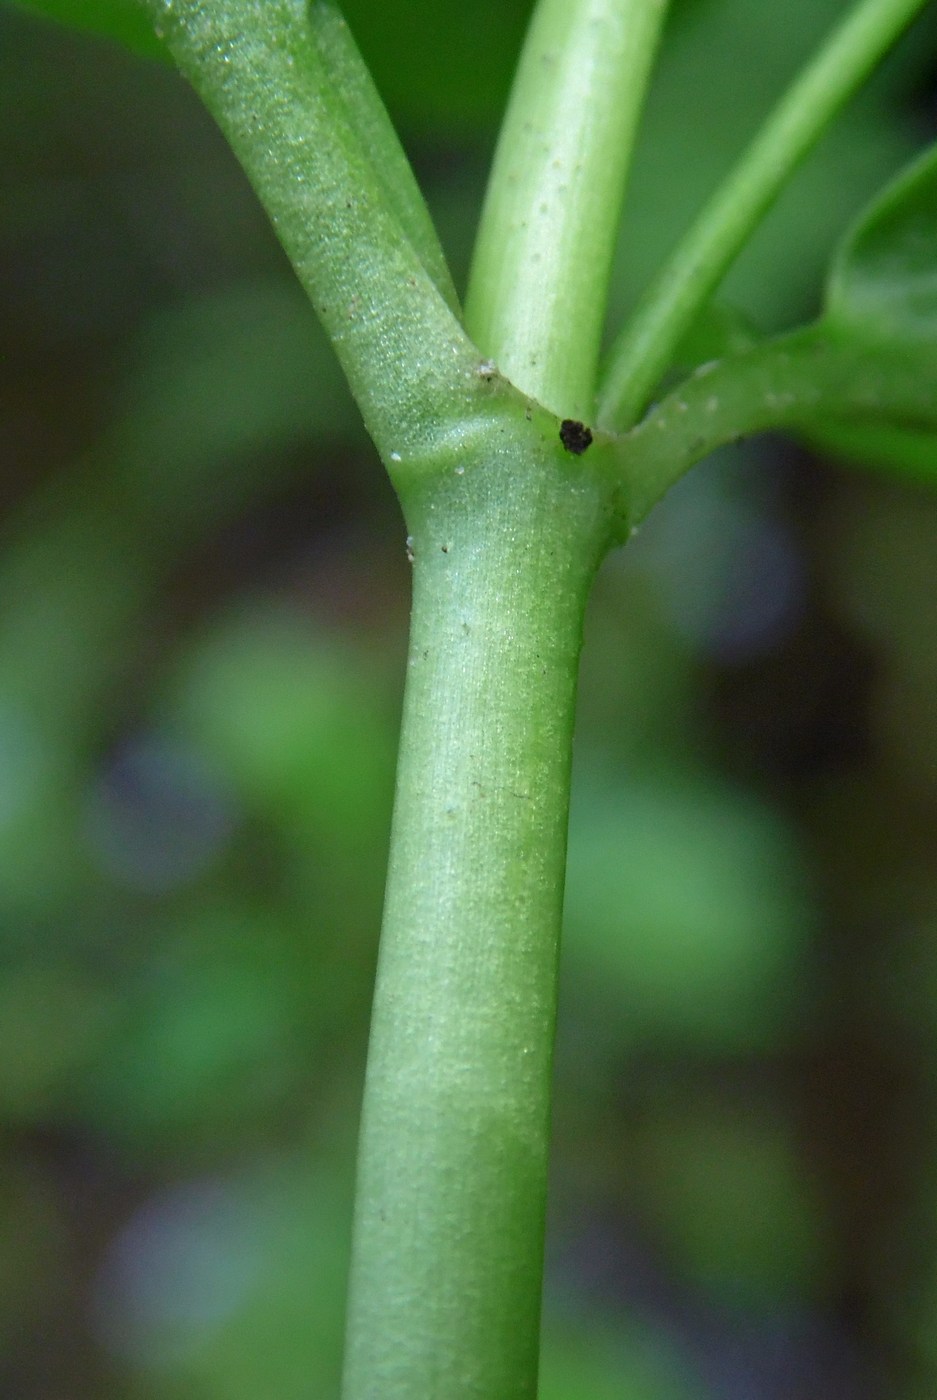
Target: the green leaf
pixel 883 291
pixel 883 285
pixel 123 20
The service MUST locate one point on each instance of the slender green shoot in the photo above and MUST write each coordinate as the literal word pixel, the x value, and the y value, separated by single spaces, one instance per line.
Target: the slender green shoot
pixel 538 285
pixel 366 114
pixel 644 349
pixel 810 379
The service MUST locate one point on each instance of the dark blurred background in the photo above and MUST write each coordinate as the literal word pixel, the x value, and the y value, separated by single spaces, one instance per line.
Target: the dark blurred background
pixel 203 613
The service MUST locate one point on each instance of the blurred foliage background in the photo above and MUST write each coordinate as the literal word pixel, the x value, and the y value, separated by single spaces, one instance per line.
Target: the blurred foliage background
pixel 203 610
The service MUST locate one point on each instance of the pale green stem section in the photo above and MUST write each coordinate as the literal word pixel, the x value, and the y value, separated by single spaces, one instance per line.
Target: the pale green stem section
pixel 448 1246
pixel 644 349
pixel 258 68
pixel 536 299
pixel 366 114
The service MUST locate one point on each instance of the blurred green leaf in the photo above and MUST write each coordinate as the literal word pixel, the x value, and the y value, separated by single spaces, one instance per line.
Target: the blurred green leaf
pixel 213 1036
pixel 34 1247
pixel 730 1196
pixel 123 20
pixel 215 383
pixel 218 395
pixel 229 1288
pixel 883 290
pixel 290 718
pixel 883 285
pixel 53 1022
pixel 685 905
pixel 595 1362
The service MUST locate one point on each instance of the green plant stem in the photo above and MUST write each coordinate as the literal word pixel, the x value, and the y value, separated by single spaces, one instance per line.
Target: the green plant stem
pixel 812 378
pixel 366 114
pixel 258 68
pixel 644 349
pixel 536 295
pixel 447 1258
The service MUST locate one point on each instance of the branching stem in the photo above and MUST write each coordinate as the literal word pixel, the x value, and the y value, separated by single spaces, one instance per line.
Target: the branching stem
pixel 643 350
pixel 810 379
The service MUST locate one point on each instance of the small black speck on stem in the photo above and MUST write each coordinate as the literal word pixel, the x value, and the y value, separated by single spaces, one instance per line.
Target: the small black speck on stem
pixel 575 436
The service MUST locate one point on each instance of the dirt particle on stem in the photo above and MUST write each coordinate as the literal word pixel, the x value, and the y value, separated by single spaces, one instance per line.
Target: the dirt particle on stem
pixel 575 436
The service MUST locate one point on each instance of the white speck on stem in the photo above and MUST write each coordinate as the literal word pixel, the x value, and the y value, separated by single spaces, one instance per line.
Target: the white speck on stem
pixel 395 457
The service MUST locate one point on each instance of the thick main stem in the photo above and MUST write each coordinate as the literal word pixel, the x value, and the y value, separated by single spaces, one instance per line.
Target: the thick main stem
pixel 447 1265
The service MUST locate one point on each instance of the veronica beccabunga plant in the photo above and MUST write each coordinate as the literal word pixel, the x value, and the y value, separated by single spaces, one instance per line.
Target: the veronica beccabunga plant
pixel 520 460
